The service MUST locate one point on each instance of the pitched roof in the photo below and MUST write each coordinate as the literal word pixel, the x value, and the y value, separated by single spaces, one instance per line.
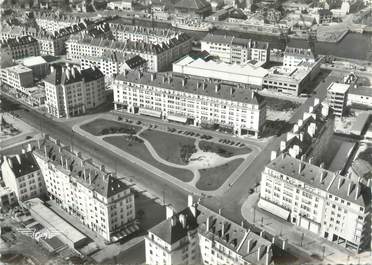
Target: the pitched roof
pixel 172 229
pixel 194 85
pixel 68 75
pixel 23 164
pixel 322 179
pixel 80 168
pixel 135 61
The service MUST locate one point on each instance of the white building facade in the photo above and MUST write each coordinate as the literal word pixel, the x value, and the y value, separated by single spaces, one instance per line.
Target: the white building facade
pixel 97 198
pixel 195 101
pixel 22 175
pixel 235 50
pixel 71 91
pixel 327 204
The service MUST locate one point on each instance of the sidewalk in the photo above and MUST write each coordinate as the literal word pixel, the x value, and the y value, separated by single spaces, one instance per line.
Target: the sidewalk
pixel 183 185
pixel 304 240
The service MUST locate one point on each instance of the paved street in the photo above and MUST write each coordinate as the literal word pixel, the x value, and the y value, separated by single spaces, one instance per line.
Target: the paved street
pixel 229 201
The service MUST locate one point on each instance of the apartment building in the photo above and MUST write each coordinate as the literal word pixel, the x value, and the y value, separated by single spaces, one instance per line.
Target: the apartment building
pixel 122 32
pixel 197 235
pixel 20 47
pixel 159 56
pixel 175 240
pixel 230 49
pixel 222 241
pixel 94 196
pixel 21 174
pixel 337 97
pixel 232 107
pixel 71 91
pixel 323 202
pixel 52 21
pixel 18 77
pixel 112 63
pixel 293 56
pixel 8 31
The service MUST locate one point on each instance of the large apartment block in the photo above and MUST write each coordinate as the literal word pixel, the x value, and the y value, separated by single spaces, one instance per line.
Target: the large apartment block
pixel 158 56
pixel 191 100
pixel 94 196
pixel 231 49
pixel 321 201
pixel 20 47
pixel 71 91
pixel 197 235
pixel 153 35
pixel 22 175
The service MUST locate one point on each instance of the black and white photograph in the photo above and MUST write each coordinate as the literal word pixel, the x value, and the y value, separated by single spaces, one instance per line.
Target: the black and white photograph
pixel 186 132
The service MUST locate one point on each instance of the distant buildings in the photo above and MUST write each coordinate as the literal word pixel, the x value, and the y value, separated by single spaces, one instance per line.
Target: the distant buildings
pixel 323 202
pixel 120 5
pixel 112 63
pixel 22 175
pixel 294 56
pixel 159 56
pixel 197 8
pixel 98 199
pixel 192 100
pixel 230 49
pixel 20 47
pixel 51 21
pixel 337 97
pixel 71 91
pixel 197 235
pixel 240 73
pixel 122 32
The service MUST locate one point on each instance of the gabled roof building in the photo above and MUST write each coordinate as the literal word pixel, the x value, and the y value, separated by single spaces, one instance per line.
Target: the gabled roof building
pixel 323 202
pixel 93 195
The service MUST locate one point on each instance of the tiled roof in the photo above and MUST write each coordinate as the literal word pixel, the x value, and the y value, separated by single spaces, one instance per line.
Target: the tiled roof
pixel 18 41
pixel 23 164
pixel 322 179
pixel 172 230
pixel 68 75
pixel 79 168
pixel 194 85
pixel 231 235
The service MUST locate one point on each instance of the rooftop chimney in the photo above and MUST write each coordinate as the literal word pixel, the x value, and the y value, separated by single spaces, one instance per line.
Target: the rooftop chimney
pixel 169 211
pixel 216 87
pixel 340 182
pixel 350 188
pixel 182 219
pixel 357 191
pixel 207 224
pixel 273 155
pixel 152 76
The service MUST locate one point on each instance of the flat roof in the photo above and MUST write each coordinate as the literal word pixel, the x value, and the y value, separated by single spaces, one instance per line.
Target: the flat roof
pixel 360 123
pixel 338 87
pixel 362 90
pixel 52 221
pixel 34 60
pixel 19 69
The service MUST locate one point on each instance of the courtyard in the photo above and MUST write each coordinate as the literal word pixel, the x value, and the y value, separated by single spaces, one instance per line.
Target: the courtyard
pixel 204 163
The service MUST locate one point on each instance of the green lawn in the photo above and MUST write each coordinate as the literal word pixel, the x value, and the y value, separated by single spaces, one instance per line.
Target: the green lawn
pixel 213 178
pixel 223 150
pixel 102 127
pixel 140 151
pixel 173 148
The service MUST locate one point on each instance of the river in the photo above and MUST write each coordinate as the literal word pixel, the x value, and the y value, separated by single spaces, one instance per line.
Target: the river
pixel 353 45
